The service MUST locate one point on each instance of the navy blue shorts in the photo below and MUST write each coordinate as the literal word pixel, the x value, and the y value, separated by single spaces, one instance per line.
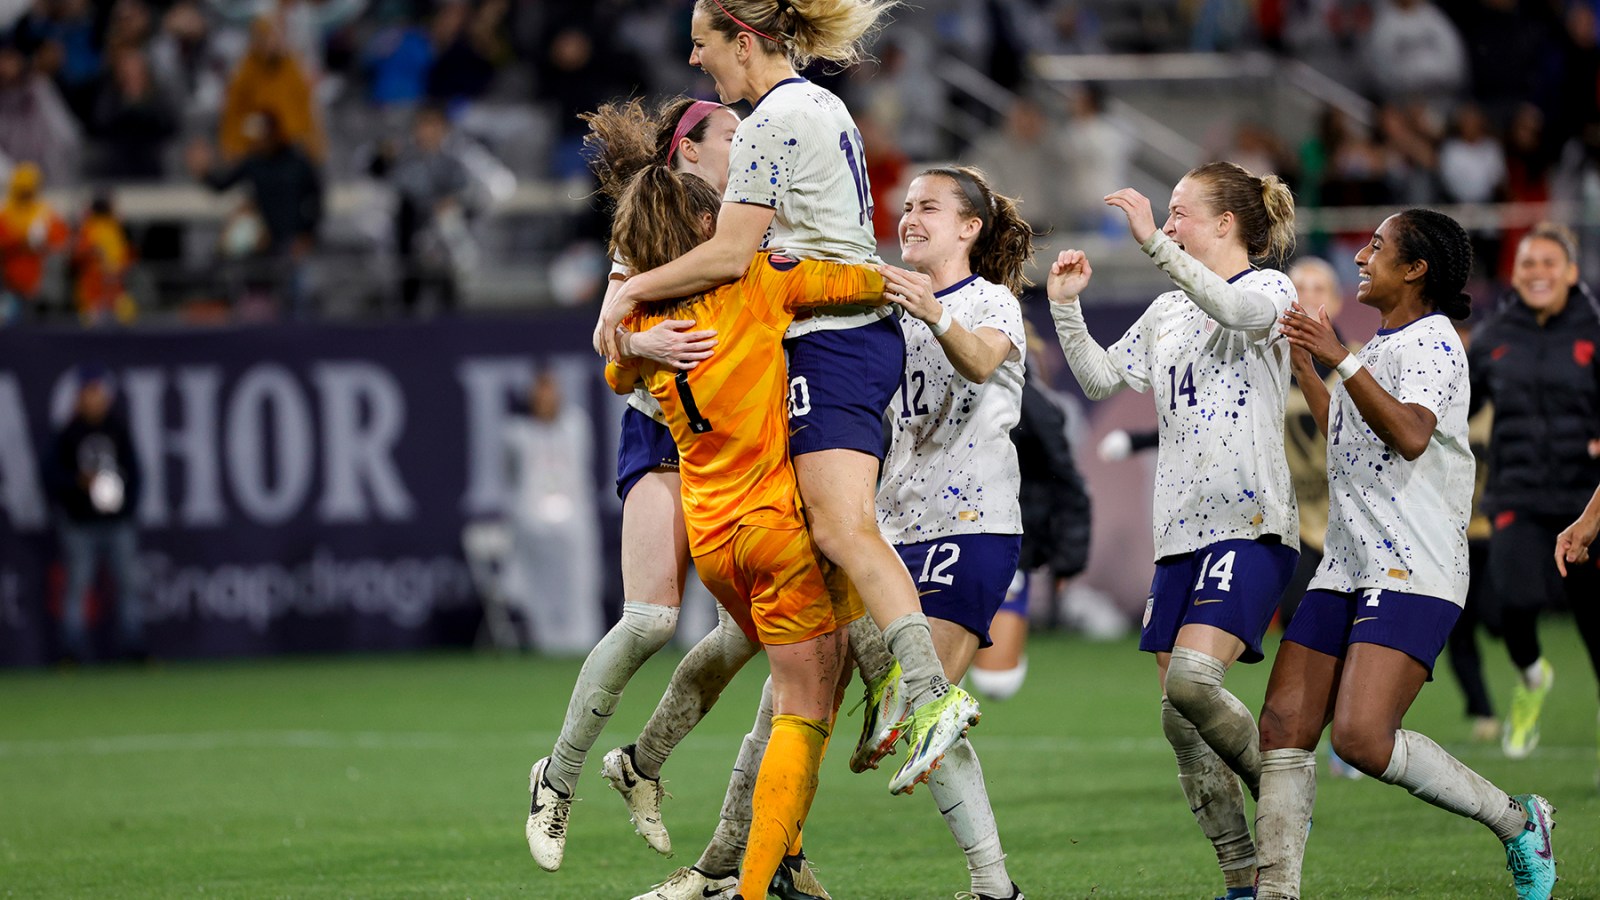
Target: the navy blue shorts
pixel 1017 595
pixel 644 446
pixel 1231 585
pixel 1415 624
pixel 963 578
pixel 840 382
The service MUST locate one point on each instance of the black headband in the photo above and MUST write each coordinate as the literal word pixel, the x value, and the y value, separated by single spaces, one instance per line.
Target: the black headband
pixel 971 189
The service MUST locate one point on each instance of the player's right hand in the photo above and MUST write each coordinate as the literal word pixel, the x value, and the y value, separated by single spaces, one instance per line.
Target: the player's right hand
pixel 672 343
pixel 1069 275
pixel 1572 544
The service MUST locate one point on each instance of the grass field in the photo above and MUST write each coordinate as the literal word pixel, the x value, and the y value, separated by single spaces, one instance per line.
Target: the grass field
pixel 407 777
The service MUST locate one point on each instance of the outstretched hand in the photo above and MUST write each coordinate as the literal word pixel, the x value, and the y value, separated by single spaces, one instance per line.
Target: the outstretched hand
pixel 1136 206
pixel 1069 275
pixel 1313 334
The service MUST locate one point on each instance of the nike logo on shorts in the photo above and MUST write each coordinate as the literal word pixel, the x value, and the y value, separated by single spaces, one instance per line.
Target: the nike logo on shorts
pixel 1212 600
pixel 1365 619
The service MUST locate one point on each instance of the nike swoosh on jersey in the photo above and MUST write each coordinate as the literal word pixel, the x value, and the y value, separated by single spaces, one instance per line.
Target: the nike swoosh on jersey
pixel 1212 600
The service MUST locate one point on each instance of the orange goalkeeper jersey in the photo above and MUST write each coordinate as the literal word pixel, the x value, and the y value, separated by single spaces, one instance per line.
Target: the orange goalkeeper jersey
pixel 727 414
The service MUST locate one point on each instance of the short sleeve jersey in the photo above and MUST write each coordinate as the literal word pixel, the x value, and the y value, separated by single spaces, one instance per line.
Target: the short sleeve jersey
pixel 952 468
pixel 728 414
pixel 799 153
pixel 1393 524
pixel 1220 395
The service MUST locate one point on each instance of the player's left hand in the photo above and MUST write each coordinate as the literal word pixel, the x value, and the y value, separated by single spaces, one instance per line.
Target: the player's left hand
pixel 1136 206
pixel 911 291
pixel 607 338
pixel 1314 334
pixel 1572 544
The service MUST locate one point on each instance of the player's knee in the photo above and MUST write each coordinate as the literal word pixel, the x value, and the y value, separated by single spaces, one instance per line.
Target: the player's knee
pixel 1194 680
pixel 651 626
pixel 1283 727
pixel 1366 748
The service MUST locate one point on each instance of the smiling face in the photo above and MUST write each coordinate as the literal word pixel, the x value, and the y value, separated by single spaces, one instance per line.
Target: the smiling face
pixel 1191 223
pixel 932 229
pixel 1382 277
pixel 716 54
pixel 711 154
pixel 1543 275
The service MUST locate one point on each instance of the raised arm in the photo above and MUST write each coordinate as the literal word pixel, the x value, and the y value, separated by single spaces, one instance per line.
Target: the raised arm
pixel 1090 363
pixel 1232 306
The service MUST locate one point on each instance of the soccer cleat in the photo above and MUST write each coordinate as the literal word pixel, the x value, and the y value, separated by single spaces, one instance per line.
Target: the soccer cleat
pixel 1485 729
pixel 1016 894
pixel 933 728
pixel 1239 893
pixel 1522 727
pixel 689 883
pixel 795 880
pixel 643 796
pixel 881 726
pixel 1529 855
pixel 547 819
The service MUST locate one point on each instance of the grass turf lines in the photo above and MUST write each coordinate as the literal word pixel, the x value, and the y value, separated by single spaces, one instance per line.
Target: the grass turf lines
pixel 407 777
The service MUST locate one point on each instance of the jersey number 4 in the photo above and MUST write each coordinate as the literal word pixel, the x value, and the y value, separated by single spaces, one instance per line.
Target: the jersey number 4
pixel 850 144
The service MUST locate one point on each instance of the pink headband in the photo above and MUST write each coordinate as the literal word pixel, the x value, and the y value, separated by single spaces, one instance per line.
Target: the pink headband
pixel 691 117
pixel 741 24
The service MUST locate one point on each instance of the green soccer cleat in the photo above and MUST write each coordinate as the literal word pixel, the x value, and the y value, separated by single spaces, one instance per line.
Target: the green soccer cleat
pixel 882 724
pixel 1529 856
pixel 1522 726
pixel 931 730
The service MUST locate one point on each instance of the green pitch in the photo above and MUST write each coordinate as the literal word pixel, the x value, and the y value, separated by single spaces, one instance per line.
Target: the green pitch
pixel 407 777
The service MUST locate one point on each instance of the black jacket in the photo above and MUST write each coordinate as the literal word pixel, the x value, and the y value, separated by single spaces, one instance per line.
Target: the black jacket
pixel 78 451
pixel 1544 382
pixel 1055 504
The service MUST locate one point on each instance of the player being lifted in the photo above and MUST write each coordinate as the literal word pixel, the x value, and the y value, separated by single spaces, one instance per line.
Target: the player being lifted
pixel 1394 569
pixel 690 136
pixel 798 183
pixel 1226 528
pixel 741 499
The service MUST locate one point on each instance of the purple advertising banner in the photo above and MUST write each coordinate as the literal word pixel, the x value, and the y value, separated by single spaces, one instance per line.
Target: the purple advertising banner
pixel 306 487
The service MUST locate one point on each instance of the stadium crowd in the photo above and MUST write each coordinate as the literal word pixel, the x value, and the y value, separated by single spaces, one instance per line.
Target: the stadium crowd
pixel 1476 101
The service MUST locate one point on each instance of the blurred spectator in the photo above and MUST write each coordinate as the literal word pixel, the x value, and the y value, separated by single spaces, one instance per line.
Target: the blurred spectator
pixel 93 478
pixel 269 80
pixel 1577 102
pixel 135 120
pixel 1097 161
pixel 101 258
pixel 576 72
pixel 1258 149
pixel 1472 165
pixel 1352 164
pixel 30 232
pixel 431 233
pixel 187 65
pixel 397 59
pixel 471 47
pixel 35 124
pixel 1025 160
pixel 901 93
pixel 1411 154
pixel 1413 51
pixel 886 172
pixel 68 36
pixel 1511 45
pixel 554 572
pixel 1530 161
pixel 286 190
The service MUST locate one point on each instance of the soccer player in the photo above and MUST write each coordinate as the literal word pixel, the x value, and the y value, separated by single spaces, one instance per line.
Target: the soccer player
pixel 948 499
pixel 798 183
pixel 1226 528
pixel 1394 569
pixel 741 501
pixel 1535 359
pixel 693 137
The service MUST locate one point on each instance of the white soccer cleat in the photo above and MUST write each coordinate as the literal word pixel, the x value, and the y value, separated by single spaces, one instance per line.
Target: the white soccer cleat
pixel 643 796
pixel 547 819
pixel 689 883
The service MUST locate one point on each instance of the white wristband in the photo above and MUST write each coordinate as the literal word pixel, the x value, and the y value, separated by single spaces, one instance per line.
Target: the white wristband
pixel 940 327
pixel 1348 367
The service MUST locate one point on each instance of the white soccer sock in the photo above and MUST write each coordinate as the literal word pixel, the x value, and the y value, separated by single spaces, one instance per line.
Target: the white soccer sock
pixel 1533 676
pixel 1283 820
pixel 868 649
pixel 696 684
pixel 1431 774
pixel 957 786
pixel 1214 797
pixel 726 849
pixel 911 641
pixel 643 629
pixel 1194 685
pixel 999 684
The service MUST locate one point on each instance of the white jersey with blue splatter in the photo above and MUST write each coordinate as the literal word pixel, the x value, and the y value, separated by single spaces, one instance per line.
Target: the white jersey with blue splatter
pixel 800 153
pixel 952 468
pixel 1221 473
pixel 1393 524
